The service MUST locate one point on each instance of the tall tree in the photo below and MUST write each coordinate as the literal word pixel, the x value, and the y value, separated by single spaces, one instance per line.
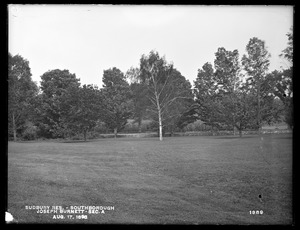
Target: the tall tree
pixel 21 91
pixel 138 91
pixel 282 87
pixel 227 70
pixel 172 114
pixel 256 63
pixel 288 52
pixel 165 87
pixel 207 101
pixel 81 108
pixel 283 81
pixel 244 110
pixel 241 103
pixel 54 85
pixel 139 102
pixel 117 106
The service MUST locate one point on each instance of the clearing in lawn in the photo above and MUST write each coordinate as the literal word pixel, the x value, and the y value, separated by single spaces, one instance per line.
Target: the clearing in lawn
pixel 181 180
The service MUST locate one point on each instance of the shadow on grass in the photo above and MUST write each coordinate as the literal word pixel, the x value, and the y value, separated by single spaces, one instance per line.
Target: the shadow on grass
pixel 236 137
pixel 118 139
pixel 58 141
pixel 284 137
pixel 77 141
pixel 123 138
pixel 271 135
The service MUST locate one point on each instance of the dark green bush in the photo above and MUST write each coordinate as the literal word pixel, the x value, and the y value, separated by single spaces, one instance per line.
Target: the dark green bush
pixel 29 132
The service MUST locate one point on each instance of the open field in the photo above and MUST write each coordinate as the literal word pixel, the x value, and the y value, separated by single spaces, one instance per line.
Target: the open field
pixel 182 180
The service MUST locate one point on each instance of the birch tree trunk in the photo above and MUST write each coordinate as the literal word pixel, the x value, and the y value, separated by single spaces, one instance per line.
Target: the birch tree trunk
pixel 159 116
pixel 160 125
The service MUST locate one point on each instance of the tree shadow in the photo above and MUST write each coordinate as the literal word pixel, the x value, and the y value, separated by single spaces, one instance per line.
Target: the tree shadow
pixel 79 141
pixel 236 137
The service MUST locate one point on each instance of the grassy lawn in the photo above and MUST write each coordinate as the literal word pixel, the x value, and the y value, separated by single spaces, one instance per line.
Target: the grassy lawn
pixel 192 180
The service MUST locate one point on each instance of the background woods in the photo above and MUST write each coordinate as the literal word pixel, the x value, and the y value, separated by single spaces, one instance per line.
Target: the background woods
pixel 233 94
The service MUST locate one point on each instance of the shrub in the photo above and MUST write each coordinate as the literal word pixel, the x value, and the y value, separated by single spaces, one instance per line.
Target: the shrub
pixel 195 126
pixel 101 128
pixel 29 132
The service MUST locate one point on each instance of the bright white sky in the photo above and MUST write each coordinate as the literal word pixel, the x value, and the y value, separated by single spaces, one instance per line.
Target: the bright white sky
pixel 87 39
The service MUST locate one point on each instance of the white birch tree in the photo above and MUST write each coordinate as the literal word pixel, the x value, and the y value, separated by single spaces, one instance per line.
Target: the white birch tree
pixel 165 88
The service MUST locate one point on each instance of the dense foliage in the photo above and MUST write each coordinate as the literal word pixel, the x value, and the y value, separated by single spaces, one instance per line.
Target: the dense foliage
pixel 232 93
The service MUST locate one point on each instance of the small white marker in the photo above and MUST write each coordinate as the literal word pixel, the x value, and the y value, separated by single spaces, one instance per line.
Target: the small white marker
pixel 8 217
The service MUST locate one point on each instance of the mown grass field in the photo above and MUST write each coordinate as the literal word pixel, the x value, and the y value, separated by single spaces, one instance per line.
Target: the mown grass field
pixel 182 180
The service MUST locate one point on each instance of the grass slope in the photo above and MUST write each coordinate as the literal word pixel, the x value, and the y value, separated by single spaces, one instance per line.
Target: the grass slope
pixel 193 180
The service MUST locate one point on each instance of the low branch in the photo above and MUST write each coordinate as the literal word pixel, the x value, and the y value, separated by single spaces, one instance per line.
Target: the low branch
pixel 153 110
pixel 152 101
pixel 168 76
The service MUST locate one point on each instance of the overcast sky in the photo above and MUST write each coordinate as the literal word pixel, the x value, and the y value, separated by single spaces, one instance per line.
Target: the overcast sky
pixel 87 39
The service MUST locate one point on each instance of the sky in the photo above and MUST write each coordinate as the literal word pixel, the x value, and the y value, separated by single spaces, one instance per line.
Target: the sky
pixel 88 39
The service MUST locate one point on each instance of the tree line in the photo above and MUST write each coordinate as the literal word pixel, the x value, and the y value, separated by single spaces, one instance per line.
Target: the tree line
pixel 232 93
